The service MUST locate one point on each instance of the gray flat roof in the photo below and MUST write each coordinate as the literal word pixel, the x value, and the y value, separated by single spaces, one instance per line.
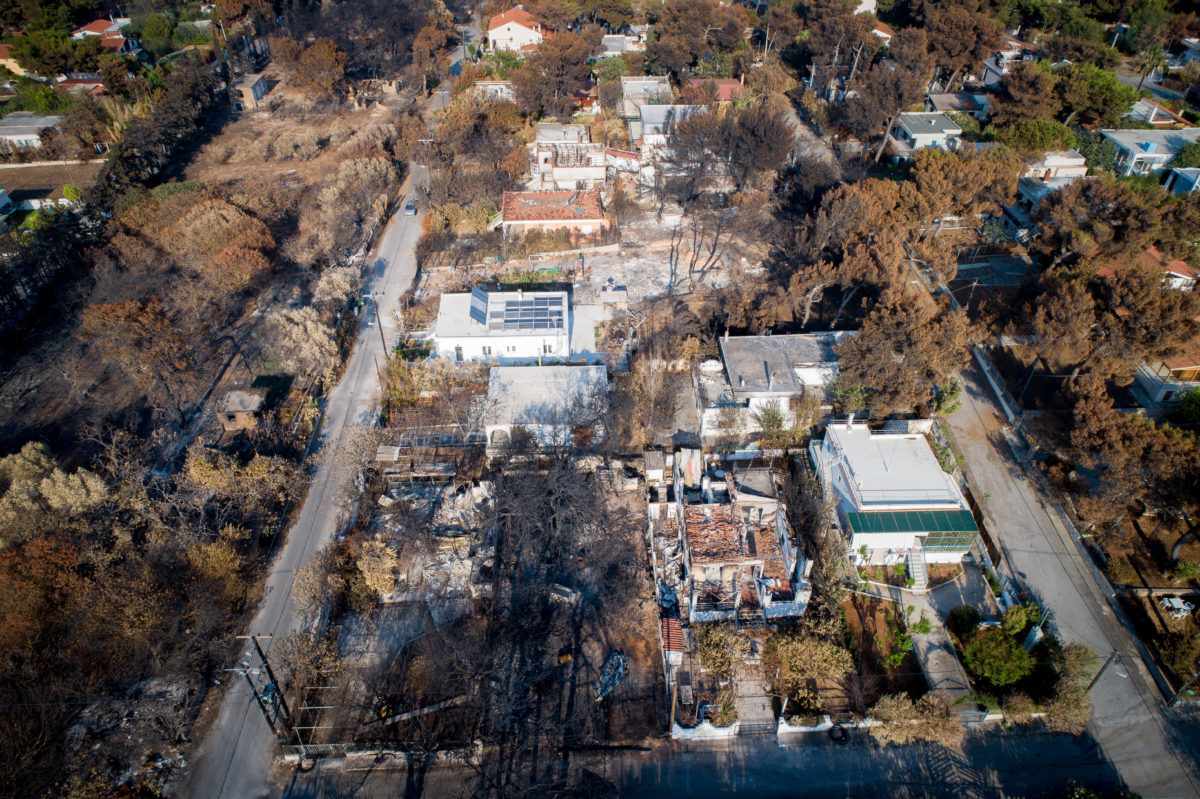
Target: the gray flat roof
pixel 25 123
pixel 455 321
pixel 529 395
pixel 892 469
pixel 654 117
pixel 1164 141
pixel 929 122
pixel 766 364
pixel 557 132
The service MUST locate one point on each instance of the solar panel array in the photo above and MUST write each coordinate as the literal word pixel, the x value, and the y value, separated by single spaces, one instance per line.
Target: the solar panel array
pixel 479 303
pixel 536 313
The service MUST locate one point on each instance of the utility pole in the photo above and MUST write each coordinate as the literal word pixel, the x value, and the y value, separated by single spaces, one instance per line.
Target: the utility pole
pixel 1114 658
pixel 379 324
pixel 269 698
pixel 1186 689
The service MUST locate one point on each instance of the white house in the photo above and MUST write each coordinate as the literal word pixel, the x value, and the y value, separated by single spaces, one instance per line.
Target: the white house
pixel 515 31
pixel 1163 381
pixel 1183 181
pixel 1058 164
pixel 921 129
pixel 757 373
pixel 614 44
pixel 1001 61
pixel 506 327
pixel 499 91
pixel 109 32
pixel 556 406
pixel 653 123
pixel 579 212
pixel 894 501
pixel 1146 110
pixel 1140 152
pixel 22 130
pixel 1191 51
pixel 637 92
pixel 564 157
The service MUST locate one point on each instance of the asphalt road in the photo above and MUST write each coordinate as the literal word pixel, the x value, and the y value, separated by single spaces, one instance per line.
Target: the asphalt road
pixel 233 759
pixel 1155 756
pixel 990 766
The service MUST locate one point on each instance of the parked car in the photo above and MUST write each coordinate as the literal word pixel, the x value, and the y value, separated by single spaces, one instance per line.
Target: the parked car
pixel 410 209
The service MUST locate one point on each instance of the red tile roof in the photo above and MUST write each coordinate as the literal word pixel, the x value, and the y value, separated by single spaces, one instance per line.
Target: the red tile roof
pixel 727 88
pixel 714 534
pixel 113 43
pixel 97 27
pixel 672 633
pixel 553 206
pixel 517 15
pixel 1150 261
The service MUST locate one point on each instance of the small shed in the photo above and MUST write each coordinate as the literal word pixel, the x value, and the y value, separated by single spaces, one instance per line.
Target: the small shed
pixel 654 465
pixel 239 409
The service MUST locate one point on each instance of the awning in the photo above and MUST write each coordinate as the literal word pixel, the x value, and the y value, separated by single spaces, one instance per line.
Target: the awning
pixel 912 521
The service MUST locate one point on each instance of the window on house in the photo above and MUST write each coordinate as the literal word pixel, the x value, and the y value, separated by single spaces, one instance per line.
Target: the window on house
pixel 487 350
pixel 547 348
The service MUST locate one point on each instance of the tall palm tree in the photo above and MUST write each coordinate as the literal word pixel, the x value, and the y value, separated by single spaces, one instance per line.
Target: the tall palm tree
pixel 1148 61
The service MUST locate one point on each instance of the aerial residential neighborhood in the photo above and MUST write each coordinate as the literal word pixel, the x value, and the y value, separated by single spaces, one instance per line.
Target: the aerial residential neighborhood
pixel 600 399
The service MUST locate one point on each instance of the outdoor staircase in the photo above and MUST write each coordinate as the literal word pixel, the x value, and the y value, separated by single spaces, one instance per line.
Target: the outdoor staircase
pixel 917 569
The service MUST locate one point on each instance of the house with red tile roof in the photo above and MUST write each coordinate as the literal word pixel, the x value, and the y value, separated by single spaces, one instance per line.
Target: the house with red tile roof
pixel 580 212
pixel 722 90
pixel 1178 274
pixel 515 31
pixel 111 38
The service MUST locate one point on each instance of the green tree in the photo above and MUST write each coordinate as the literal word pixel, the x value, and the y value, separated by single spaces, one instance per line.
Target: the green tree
pixel 1088 88
pixel 1030 91
pixel 1189 406
pixel 1188 156
pixel 1149 25
pixel 1099 153
pixel 996 656
pixel 611 69
pixel 1035 136
pixel 948 398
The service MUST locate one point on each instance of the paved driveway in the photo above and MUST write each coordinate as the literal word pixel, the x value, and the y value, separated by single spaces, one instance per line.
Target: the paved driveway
pixel 1155 756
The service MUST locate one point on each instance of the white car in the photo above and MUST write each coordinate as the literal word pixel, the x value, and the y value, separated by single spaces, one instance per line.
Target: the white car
pixel 410 209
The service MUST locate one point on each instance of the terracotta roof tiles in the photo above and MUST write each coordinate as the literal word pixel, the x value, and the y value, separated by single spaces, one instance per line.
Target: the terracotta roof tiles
pixel 553 206
pixel 517 15
pixel 714 534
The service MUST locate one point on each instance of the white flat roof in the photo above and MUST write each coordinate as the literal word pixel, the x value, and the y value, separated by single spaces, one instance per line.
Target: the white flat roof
pixel 892 469
pixel 455 320
pixel 541 395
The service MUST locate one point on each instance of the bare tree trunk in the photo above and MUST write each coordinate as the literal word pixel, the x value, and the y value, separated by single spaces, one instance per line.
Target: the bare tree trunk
pixel 849 295
pixel 1175 550
pixel 887 133
pixel 809 300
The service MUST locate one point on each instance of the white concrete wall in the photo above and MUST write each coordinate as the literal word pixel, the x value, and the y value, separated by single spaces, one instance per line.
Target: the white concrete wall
pixel 511 36
pixel 567 177
pixel 505 349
